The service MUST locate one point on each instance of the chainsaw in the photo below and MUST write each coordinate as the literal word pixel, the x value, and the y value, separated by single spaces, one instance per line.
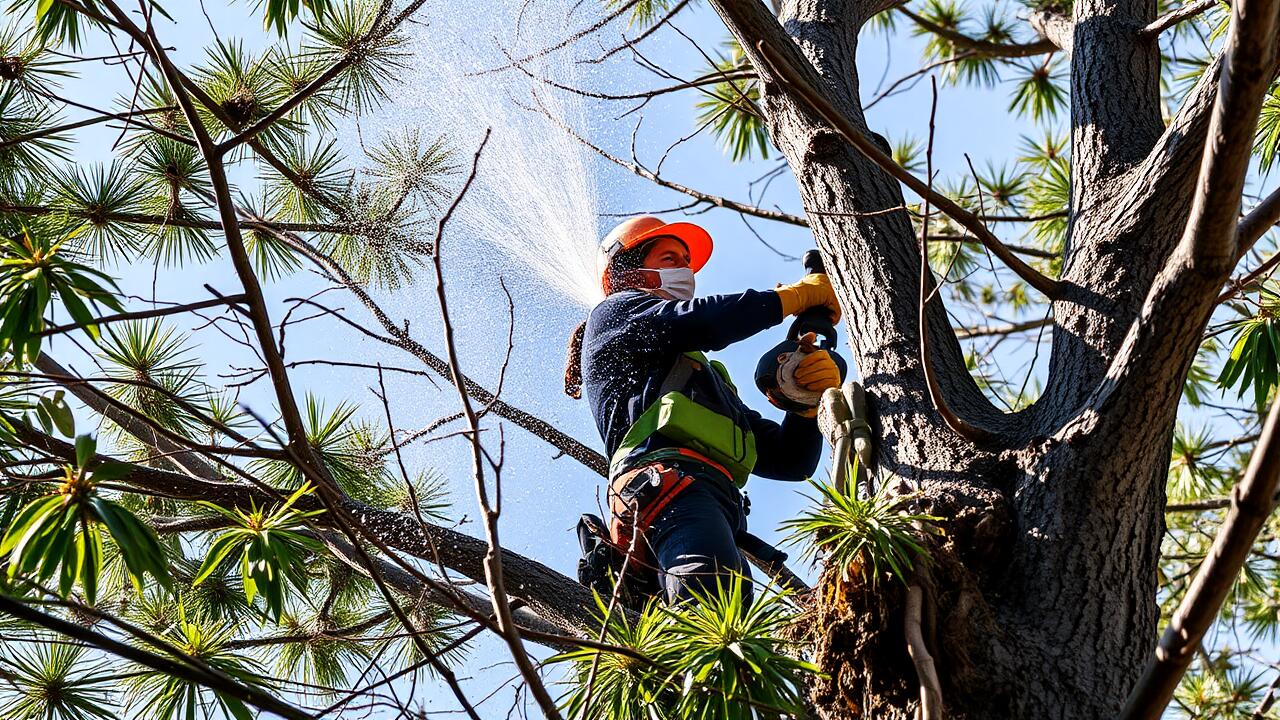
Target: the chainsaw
pixel 812 330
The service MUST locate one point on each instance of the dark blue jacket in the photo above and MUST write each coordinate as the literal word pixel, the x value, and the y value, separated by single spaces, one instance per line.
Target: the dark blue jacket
pixel 631 342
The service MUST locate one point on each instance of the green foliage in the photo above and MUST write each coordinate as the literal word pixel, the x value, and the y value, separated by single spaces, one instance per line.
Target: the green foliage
pixel 166 169
pixel 278 13
pixel 373 64
pixel 20 117
pixel 53 680
pixel 93 197
pixel 732 109
pixel 1040 92
pixel 1255 353
pixel 63 530
pixel 353 452
pixel 1192 475
pixel 961 65
pixel 321 658
pixel 243 87
pixel 273 554
pixel 1231 694
pixel 644 13
pixel 909 153
pixel 1048 197
pixel 159 696
pixel 715 657
pixel 33 269
pixel 1200 378
pixel 1267 143
pixel 864 538
pixel 151 352
pixel 55 22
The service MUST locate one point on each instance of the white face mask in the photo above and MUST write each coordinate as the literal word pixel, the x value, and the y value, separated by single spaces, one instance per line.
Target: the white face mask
pixel 676 282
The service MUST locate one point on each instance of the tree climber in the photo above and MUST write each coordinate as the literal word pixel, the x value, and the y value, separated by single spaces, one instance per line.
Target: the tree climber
pixel 679 440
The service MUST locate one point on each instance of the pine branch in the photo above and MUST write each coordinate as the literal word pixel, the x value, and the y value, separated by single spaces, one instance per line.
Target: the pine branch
pixel 181 666
pixel 985 48
pixel 104 117
pixel 375 33
pixel 162 221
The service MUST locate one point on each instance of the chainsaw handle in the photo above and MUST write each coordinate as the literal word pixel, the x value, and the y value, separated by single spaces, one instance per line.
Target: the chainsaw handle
pixel 816 320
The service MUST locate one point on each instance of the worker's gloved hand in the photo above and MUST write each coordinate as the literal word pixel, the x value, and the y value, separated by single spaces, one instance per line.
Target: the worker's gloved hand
pixel 812 290
pixel 817 372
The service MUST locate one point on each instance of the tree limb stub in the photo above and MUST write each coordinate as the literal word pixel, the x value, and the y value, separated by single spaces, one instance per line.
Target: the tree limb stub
pixel 1252 501
pixel 782 70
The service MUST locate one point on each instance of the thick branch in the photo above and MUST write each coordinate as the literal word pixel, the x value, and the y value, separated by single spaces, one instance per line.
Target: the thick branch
pixel 1246 73
pixel 1173 17
pixel 794 80
pixel 1252 501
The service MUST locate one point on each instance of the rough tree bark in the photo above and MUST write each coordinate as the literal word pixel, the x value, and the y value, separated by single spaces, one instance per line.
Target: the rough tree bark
pixel 1050 608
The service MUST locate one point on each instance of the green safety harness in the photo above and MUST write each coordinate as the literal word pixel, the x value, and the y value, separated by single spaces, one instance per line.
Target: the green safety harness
pixel 702 418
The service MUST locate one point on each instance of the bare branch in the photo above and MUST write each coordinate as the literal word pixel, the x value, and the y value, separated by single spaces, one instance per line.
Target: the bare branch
pixel 1173 17
pixel 146 314
pixel 1006 329
pixel 1252 501
pixel 701 196
pixel 489 512
pixel 959 426
pixel 1260 219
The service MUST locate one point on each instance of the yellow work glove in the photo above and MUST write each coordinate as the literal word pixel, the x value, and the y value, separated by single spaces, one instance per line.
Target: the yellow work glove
pixel 817 372
pixel 812 290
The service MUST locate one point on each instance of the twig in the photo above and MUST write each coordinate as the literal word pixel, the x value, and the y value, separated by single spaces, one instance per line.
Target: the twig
pixel 959 426
pixel 653 177
pixel 639 38
pixel 493 559
pixel 145 314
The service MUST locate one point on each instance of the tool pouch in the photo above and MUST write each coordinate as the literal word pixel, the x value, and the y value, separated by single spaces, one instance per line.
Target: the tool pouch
pixel 602 562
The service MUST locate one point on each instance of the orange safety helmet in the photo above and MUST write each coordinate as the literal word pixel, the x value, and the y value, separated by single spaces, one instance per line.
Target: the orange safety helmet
pixel 637 230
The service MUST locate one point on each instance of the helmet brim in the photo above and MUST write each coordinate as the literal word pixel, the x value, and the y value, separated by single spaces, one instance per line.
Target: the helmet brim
pixel 697 240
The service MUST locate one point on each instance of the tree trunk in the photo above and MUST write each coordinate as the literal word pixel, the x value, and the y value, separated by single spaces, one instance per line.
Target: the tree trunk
pixel 1045 597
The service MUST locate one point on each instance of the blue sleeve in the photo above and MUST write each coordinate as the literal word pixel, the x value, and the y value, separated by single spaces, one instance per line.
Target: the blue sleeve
pixel 708 323
pixel 789 450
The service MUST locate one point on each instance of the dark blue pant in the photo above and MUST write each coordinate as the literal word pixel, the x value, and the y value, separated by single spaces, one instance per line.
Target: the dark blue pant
pixel 693 540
